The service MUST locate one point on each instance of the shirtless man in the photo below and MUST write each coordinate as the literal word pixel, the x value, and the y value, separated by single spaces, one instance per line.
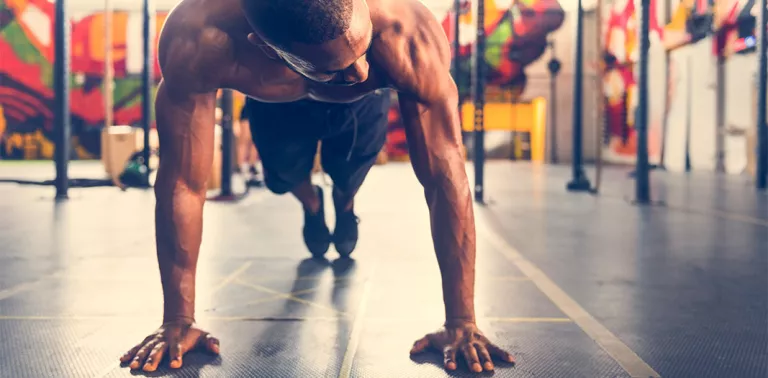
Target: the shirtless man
pixel 327 50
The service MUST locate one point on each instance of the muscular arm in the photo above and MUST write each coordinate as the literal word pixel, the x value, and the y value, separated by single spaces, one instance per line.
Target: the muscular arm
pixel 434 143
pixel 185 109
pixel 185 128
pixel 192 60
pixel 418 62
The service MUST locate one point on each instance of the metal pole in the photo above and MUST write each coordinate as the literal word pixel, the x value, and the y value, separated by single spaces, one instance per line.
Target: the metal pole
pixel 554 68
pixel 642 179
pixel 579 182
pixel 62 123
pixel 762 131
pixel 667 99
pixel 600 98
pixel 478 84
pixel 227 144
pixel 688 112
pixel 148 35
pixel 455 67
pixel 720 113
pixel 108 66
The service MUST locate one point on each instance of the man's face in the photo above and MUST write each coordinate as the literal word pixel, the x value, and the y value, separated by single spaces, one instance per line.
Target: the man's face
pixel 342 61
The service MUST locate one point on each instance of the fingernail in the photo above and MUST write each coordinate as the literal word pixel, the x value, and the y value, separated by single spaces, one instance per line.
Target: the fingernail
pixel 476 367
pixel 488 366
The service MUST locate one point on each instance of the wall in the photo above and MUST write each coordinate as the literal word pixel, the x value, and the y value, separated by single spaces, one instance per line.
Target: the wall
pixel 26 79
pixel 26 63
pixel 694 139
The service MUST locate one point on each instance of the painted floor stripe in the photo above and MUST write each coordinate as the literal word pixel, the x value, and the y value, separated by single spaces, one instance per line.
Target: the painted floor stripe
pixel 356 332
pixel 27 286
pixel 620 352
pixel 224 283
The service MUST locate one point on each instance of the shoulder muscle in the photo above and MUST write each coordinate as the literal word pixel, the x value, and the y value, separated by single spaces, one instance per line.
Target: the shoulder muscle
pixel 193 58
pixel 414 51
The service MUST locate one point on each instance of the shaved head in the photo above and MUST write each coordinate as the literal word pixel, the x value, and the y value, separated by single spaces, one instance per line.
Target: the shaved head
pixel 283 22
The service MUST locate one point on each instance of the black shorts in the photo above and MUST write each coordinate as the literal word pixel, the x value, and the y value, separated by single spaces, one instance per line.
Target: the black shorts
pixel 286 136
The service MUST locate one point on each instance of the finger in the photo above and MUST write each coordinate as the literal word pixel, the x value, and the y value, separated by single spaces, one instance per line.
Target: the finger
pixel 138 359
pixel 473 361
pixel 500 353
pixel 129 354
pixel 485 357
pixel 211 343
pixel 175 352
pixel 449 358
pixel 155 357
pixel 420 345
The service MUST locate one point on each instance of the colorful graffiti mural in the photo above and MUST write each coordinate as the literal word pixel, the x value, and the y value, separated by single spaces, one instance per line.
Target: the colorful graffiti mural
pixel 26 79
pixel 517 32
pixel 704 31
pixel 620 86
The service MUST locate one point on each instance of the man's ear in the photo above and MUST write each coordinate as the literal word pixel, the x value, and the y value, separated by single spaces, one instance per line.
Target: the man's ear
pixel 267 49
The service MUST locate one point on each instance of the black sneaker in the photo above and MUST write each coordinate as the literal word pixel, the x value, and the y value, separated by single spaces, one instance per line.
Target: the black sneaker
pixel 345 232
pixel 317 237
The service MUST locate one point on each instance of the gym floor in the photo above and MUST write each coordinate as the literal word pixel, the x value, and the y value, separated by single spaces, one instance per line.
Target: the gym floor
pixel 574 285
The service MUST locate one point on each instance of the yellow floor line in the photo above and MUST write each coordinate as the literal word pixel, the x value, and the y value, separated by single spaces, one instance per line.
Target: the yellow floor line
pixel 26 286
pixel 620 352
pixel 232 276
pixel 224 283
pixel 357 330
pixel 274 318
pixel 286 296
pixel 528 320
pixel 264 300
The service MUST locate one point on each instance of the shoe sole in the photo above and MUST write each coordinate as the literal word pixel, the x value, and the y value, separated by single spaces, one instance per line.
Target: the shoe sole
pixel 345 248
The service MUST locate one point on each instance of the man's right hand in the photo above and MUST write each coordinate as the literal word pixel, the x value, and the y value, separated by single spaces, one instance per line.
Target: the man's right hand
pixel 174 339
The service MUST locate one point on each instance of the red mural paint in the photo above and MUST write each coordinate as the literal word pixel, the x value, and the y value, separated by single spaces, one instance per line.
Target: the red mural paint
pixel 26 63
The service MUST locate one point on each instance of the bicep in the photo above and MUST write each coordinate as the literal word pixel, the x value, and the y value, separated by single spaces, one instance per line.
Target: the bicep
pixel 185 125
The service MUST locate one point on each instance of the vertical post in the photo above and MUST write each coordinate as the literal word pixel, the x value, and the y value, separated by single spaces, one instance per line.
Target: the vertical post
pixel 688 112
pixel 600 97
pixel 455 66
pixel 554 69
pixel 227 144
pixel 579 182
pixel 642 179
pixel 62 122
pixel 762 132
pixel 108 67
pixel 667 99
pixel 148 36
pixel 720 112
pixel 478 84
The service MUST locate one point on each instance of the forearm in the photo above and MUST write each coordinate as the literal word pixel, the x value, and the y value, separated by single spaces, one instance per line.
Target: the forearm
pixel 178 225
pixel 453 233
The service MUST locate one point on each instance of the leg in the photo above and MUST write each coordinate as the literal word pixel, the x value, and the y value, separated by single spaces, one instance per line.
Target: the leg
pixel 348 157
pixel 287 148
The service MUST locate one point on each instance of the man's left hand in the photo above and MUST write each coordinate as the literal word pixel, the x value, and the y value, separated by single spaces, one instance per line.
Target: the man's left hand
pixel 467 340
